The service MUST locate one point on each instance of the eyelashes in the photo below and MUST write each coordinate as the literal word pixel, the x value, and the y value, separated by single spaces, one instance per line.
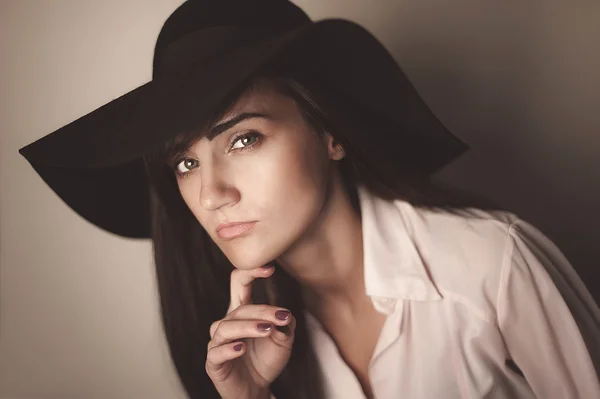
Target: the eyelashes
pixel 237 138
pixel 182 170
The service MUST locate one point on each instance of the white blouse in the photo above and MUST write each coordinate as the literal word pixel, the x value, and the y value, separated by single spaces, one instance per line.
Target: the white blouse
pixel 471 310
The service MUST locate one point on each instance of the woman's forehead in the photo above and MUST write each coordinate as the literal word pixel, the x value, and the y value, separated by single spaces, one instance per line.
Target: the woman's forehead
pixel 264 99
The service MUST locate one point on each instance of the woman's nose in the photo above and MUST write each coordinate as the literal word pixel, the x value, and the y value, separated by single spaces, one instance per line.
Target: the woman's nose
pixel 215 190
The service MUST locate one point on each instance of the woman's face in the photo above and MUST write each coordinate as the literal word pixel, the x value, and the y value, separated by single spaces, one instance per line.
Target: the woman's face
pixel 269 168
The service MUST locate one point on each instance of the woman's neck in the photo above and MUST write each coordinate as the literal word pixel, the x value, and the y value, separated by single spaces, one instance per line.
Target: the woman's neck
pixel 328 260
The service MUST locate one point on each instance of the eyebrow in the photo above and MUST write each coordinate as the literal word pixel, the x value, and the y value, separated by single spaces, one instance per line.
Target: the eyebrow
pixel 224 126
pixel 220 128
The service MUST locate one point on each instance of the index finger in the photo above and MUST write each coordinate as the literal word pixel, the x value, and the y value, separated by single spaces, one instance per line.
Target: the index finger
pixel 241 285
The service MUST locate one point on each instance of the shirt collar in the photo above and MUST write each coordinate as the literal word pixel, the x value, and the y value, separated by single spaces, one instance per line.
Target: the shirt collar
pixel 393 267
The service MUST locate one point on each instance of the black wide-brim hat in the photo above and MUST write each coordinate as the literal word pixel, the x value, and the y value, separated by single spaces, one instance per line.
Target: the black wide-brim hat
pixel 206 50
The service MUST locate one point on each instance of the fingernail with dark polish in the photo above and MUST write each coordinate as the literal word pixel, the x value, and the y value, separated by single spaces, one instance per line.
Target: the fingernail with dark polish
pixel 238 347
pixel 264 326
pixel 282 314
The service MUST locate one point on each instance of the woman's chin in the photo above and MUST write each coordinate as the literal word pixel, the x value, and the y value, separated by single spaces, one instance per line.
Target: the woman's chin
pixel 256 252
pixel 248 262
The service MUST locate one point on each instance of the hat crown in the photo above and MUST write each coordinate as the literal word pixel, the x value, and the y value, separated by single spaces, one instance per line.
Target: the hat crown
pixel 197 15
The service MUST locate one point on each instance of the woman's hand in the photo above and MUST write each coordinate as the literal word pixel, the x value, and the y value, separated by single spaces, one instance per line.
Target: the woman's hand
pixel 247 352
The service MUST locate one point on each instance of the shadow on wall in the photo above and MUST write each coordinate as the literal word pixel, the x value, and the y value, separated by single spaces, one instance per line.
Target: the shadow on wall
pixel 522 87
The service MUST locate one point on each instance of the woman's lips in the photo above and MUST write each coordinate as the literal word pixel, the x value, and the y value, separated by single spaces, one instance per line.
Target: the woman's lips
pixel 233 230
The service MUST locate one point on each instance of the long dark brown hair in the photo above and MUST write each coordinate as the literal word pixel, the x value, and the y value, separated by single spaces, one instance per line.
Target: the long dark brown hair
pixel 193 273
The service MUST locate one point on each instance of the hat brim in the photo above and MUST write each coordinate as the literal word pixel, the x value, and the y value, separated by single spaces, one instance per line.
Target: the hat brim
pixel 94 163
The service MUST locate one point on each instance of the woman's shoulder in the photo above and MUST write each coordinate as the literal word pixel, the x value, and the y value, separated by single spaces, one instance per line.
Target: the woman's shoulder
pixel 470 232
pixel 466 252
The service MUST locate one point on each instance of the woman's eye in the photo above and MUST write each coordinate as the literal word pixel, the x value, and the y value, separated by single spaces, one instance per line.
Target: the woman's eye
pixel 247 140
pixel 185 166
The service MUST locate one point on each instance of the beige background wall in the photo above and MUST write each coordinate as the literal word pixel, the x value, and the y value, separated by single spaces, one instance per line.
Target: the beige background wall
pixel 519 81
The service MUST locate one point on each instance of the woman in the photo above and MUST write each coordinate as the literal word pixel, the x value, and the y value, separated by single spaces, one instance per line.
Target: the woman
pixel 281 169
